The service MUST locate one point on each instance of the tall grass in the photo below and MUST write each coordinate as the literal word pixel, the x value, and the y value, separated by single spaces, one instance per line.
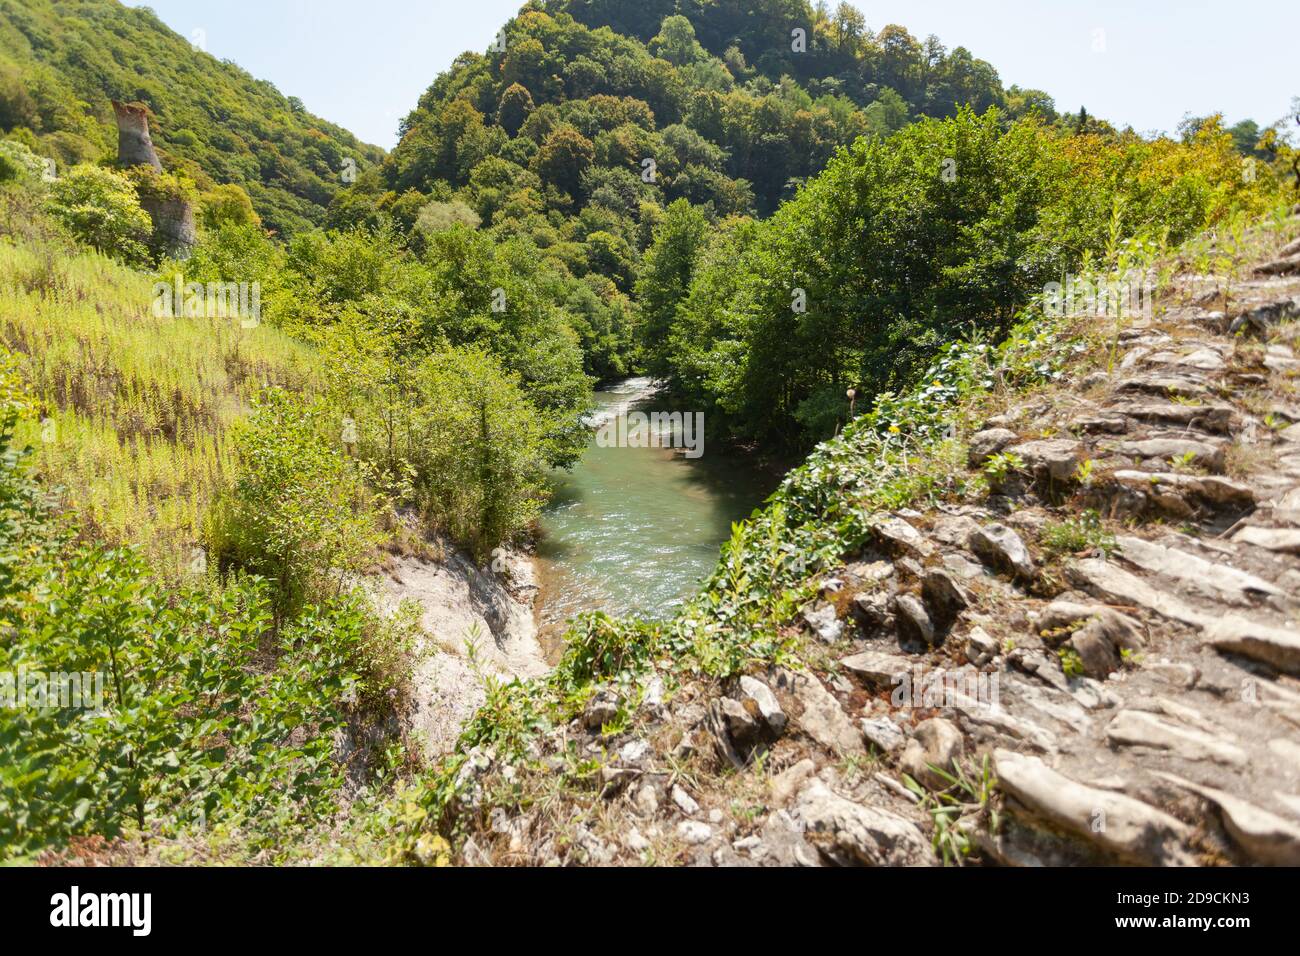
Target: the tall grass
pixel 135 408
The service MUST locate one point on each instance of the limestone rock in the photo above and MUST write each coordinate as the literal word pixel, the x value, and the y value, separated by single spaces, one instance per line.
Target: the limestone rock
pixel 1114 823
pixel 915 629
pixel 787 783
pixel 851 834
pixel 634 751
pixel 134 144
pixel 694 833
pixel 819 713
pixel 1262 318
pixel 1198 453
pixel 742 724
pixel 874 610
pixel 1177 492
pixel 1000 547
pixel 1051 459
pixel 601 709
pixel 1282 540
pixel 1112 583
pixel 757 696
pixel 1095 632
pixel 1034 662
pixel 1264 837
pixel 944 597
pixel 864 574
pixel 1136 728
pixel 1284 266
pixel 1215 417
pixel 782 843
pixel 935 743
pixel 901 538
pixel 882 732
pixel 1066 617
pixel 645 800
pixel 1194 574
pixel 980 647
pixel 1276 646
pixel 652 697
pixel 824 623
pixel 1179 674
pixel 987 443
pixel 1288 750
pixel 685 802
pixel 878 669
pixel 1182 386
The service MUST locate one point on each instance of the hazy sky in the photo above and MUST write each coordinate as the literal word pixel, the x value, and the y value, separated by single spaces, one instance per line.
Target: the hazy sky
pixel 363 63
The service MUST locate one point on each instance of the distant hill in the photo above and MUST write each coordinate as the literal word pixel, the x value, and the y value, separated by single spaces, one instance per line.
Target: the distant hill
pixel 610 111
pixel 62 61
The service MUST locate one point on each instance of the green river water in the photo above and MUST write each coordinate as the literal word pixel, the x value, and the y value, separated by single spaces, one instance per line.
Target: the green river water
pixel 633 530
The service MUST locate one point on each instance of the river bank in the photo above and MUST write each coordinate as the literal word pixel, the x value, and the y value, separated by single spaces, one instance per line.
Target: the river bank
pixel 629 530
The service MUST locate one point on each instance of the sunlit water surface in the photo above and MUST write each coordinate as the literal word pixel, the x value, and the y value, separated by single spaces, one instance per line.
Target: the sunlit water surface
pixel 633 530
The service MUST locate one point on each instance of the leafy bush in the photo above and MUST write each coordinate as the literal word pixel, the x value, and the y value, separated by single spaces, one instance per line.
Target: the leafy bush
pixel 228 205
pixel 478 449
pixel 195 711
pixel 1082 532
pixel 100 208
pixel 298 513
pixel 18 163
pixel 437 216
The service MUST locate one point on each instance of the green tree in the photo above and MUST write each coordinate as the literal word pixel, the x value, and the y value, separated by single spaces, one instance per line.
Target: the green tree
pixel 676 42
pixel 514 108
pixel 437 216
pixel 228 204
pixel 298 512
pixel 478 447
pixel 100 208
pixel 563 158
pixel 665 277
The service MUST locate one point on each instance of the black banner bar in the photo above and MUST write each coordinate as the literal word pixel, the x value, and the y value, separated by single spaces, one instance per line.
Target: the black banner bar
pixel 336 905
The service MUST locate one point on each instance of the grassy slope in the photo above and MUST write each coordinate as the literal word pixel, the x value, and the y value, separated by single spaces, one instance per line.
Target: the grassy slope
pixel 136 408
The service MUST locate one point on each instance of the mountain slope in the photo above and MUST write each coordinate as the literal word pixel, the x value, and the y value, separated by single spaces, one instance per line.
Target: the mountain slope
pixel 62 62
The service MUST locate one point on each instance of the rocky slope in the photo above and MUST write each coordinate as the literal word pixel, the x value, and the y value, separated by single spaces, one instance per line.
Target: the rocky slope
pixel 475 623
pixel 1096 661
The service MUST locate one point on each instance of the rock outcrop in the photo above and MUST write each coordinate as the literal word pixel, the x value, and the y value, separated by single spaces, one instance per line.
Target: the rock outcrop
pixel 134 145
pixel 474 626
pixel 174 228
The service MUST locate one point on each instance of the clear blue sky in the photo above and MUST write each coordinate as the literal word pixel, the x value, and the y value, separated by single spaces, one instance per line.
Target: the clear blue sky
pixel 363 63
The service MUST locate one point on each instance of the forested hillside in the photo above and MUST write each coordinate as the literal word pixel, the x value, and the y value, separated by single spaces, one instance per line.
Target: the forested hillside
pixel 575 133
pixel 633 145
pixel 63 61
pixel 839 53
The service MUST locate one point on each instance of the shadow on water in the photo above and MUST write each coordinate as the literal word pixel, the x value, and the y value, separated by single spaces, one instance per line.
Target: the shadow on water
pixel 633 530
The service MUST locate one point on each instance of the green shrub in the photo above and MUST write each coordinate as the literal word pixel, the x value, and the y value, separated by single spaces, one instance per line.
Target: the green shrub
pixel 197 711
pixel 298 513
pixel 18 163
pixel 100 208
pixel 478 449
pixel 1082 532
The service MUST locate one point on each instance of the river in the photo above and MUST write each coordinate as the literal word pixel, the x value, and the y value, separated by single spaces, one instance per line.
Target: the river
pixel 633 530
